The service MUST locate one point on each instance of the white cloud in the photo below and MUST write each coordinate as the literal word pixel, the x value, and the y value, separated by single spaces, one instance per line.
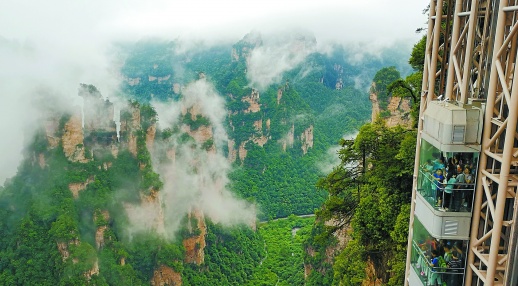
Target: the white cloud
pixel 280 53
pixel 332 159
pixel 195 179
pixel 30 90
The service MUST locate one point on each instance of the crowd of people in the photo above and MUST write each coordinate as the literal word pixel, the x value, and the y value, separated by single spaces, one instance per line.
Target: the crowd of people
pixel 440 262
pixel 449 183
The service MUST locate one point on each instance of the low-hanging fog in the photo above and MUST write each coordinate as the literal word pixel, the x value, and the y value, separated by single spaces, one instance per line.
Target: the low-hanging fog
pixel 195 179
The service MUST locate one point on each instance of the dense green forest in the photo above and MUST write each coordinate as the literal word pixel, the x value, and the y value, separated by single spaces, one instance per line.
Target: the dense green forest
pixel 283 263
pixel 64 217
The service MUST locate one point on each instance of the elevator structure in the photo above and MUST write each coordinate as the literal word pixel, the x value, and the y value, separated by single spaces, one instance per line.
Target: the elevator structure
pixel 464 196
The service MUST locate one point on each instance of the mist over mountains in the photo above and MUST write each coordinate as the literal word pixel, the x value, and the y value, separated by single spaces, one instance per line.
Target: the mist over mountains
pixel 35 66
pixel 258 94
pixel 172 152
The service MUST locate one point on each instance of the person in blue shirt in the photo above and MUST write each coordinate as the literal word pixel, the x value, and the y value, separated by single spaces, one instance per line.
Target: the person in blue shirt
pixel 438 179
pixel 434 275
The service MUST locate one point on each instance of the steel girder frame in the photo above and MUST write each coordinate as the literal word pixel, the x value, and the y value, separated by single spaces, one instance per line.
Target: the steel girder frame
pixel 433 75
pixel 491 255
pixel 470 41
pixel 470 48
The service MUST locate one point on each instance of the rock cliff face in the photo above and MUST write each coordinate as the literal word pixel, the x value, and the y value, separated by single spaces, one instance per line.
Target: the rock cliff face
pixel 165 275
pixel 63 249
pixel 194 110
pixel 95 129
pixel 93 271
pixel 232 152
pixel 133 81
pixel 195 245
pixel 202 134
pixel 253 100
pixel 98 134
pixel 400 112
pixel 99 236
pixel 41 160
pixel 73 140
pixel 375 104
pixel 159 79
pixel 75 188
pixel 339 69
pixel 260 140
pixel 371 274
pixel 150 136
pixel 242 151
pixel 279 96
pixel 130 123
pixel 261 111
pixel 258 125
pixel 289 139
pixel 307 139
pixel 101 229
pixel 177 88
pixel 398 108
pixel 262 136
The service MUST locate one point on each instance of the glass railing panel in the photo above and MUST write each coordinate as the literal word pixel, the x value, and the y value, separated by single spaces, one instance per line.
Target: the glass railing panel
pixel 447 179
pixel 448 196
pixel 452 273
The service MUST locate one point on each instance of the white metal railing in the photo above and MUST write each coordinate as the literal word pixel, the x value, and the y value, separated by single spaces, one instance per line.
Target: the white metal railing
pixel 444 196
pixel 421 262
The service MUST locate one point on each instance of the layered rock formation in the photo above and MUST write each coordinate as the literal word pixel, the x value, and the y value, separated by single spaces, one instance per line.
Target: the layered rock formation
pixel 165 275
pixel 130 123
pixel 398 111
pixel 101 229
pixel 72 140
pixel 307 139
pixel 195 245
pixel 262 136
pixel 99 134
pixel 253 101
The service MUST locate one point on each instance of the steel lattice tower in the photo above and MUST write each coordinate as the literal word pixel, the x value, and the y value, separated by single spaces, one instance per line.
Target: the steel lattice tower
pixel 471 57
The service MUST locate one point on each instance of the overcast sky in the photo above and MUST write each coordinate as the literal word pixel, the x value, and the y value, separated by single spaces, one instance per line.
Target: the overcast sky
pixel 338 20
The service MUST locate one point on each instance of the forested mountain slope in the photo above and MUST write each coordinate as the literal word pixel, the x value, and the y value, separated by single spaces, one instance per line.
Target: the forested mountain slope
pixel 164 184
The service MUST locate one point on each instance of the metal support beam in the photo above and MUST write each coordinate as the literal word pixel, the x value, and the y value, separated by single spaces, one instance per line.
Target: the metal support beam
pixel 482 67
